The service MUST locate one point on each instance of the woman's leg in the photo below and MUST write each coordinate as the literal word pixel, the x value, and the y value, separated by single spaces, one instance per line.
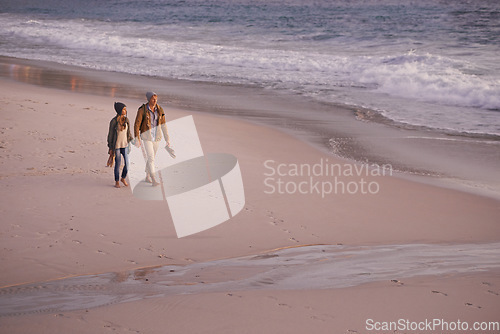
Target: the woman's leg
pixel 118 162
pixel 125 167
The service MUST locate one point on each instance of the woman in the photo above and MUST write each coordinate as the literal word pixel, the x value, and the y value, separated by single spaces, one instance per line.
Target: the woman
pixel 119 137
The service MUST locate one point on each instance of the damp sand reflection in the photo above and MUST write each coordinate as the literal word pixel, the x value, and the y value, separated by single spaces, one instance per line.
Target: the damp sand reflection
pixel 298 268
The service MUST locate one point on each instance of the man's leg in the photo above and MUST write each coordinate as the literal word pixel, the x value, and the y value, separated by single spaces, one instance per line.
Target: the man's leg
pixel 151 149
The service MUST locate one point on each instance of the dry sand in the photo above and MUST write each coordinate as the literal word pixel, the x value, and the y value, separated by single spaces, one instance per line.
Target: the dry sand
pixel 62 217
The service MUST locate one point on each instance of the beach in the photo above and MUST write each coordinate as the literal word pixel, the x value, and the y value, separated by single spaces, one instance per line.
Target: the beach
pixel 66 231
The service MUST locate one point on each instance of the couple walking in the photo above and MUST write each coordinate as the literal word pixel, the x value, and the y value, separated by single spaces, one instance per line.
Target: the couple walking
pixel 149 126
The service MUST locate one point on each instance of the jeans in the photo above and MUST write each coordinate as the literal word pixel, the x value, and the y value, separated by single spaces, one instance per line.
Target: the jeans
pixel 118 161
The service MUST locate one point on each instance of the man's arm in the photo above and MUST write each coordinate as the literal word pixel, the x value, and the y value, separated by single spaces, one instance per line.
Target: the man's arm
pixel 137 123
pixel 163 125
pixel 165 133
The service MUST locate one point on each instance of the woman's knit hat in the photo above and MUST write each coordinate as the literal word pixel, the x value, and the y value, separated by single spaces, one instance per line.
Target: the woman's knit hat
pixel 119 107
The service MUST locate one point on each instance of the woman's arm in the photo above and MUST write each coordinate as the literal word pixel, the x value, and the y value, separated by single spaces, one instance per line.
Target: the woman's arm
pixel 112 134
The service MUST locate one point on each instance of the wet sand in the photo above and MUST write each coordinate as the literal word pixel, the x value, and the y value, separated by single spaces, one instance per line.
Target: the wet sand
pixel 314 267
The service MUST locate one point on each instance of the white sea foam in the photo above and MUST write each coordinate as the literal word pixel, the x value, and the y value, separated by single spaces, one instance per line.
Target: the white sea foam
pixel 433 87
pixel 433 79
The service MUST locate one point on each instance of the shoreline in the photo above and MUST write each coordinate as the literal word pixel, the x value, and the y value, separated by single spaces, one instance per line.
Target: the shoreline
pixel 288 269
pixel 62 217
pixel 467 163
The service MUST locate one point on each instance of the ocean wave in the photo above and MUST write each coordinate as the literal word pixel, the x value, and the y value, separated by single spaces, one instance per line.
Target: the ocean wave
pixel 432 79
pixel 322 71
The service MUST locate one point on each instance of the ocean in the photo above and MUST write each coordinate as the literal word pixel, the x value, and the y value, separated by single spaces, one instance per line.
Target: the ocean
pixel 425 63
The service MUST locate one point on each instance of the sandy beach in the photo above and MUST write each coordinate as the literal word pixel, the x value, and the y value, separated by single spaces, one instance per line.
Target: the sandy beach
pixel 62 219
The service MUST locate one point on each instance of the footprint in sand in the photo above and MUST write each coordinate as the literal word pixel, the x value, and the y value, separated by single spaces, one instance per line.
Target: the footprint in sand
pixel 163 256
pixel 490 291
pixel 315 317
pixel 439 292
pixel 233 295
pixel 472 305
pixel 273 219
pixel 276 221
pixel 284 305
pixel 399 283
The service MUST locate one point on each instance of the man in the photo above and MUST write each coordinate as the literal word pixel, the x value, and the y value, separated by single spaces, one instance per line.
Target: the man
pixel 148 122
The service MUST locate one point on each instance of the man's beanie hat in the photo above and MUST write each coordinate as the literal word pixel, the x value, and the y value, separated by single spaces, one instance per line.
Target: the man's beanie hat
pixel 149 95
